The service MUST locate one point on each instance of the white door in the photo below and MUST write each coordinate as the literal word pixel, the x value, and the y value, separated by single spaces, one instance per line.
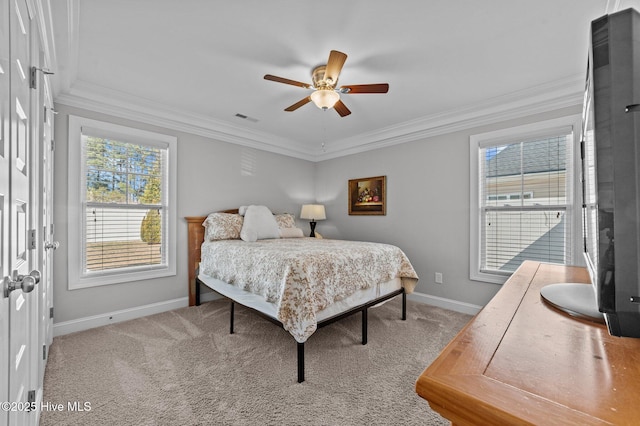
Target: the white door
pixel 44 220
pixel 20 304
pixel 5 124
pixel 48 233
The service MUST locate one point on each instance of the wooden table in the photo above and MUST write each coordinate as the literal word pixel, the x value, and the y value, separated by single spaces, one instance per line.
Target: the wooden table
pixel 520 361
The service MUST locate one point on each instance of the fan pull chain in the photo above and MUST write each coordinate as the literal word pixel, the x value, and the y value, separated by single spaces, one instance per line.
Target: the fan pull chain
pixel 324 131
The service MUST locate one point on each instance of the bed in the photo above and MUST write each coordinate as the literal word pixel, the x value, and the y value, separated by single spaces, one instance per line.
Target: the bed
pixel 314 282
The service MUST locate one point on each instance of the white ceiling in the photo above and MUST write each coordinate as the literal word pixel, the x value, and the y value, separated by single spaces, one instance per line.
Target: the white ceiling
pixel 191 65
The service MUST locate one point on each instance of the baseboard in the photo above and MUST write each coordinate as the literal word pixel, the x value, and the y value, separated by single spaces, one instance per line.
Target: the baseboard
pixel 86 323
pixel 93 321
pixel 441 302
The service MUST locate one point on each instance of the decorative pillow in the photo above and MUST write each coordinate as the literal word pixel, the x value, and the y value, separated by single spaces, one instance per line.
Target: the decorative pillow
pixel 291 233
pixel 222 226
pixel 249 235
pixel 285 220
pixel 259 224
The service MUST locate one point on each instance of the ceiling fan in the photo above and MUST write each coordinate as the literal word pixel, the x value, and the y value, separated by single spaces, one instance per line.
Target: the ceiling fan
pixel 325 78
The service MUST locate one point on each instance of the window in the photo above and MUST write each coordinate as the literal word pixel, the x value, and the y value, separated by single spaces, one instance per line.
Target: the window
pixel 522 195
pixel 122 188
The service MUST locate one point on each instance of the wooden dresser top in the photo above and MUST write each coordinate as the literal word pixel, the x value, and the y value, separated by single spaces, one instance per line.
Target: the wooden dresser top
pixel 521 361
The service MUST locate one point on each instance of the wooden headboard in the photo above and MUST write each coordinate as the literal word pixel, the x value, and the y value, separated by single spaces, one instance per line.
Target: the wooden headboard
pixel 194 242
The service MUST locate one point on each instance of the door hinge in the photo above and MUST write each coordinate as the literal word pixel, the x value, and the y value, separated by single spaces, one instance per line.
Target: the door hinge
pixel 32 239
pixel 53 144
pixel 44 352
pixel 33 80
pixel 31 396
pixel 51 312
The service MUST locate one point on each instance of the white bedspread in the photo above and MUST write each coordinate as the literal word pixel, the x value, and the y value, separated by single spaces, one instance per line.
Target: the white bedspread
pixel 304 275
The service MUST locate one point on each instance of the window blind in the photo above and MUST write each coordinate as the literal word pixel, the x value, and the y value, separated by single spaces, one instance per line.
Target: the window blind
pixel 125 205
pixel 525 202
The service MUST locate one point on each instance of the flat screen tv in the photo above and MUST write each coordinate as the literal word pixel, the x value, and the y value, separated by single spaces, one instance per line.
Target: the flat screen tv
pixel 610 150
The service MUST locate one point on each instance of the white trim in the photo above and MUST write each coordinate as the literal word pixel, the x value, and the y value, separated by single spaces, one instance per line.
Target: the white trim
pixel 86 323
pixel 567 92
pixel 574 122
pixel 99 99
pixel 558 94
pixel 61 56
pixel 441 302
pixel 529 132
pixel 75 197
pixel 93 321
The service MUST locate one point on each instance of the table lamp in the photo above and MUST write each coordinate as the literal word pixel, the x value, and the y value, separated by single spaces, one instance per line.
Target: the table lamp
pixel 313 212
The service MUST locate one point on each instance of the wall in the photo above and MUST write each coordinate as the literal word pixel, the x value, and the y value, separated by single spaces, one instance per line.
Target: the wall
pixel 212 175
pixel 427 206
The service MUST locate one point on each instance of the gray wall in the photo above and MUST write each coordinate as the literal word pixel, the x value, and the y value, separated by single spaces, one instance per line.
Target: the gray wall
pixel 212 176
pixel 427 206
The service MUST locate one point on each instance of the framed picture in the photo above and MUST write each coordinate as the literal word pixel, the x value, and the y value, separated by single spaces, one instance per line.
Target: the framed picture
pixel 368 196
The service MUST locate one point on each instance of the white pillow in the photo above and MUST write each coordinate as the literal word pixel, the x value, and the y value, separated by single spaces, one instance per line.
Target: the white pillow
pixel 259 224
pixel 291 233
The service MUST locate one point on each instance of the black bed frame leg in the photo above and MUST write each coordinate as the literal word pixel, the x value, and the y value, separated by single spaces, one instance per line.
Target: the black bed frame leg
pixel 404 305
pixel 300 362
pixel 231 317
pixel 364 325
pixel 197 293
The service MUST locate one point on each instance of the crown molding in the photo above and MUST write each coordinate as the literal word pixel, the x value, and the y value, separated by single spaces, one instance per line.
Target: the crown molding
pixel 118 104
pixel 61 55
pixel 63 58
pixel 559 94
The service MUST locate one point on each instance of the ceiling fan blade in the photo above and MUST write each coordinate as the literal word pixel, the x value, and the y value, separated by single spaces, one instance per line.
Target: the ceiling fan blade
pixel 334 65
pixel 341 108
pixel 299 104
pixel 365 88
pixel 286 81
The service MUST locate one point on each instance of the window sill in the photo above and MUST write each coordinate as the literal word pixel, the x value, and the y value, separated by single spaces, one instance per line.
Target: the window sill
pixel 120 278
pixel 489 278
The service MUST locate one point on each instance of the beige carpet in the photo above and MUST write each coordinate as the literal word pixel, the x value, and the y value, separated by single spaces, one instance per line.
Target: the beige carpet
pixel 184 368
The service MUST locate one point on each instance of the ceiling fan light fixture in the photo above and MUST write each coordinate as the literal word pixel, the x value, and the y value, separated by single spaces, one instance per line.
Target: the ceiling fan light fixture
pixel 325 98
pixel 325 79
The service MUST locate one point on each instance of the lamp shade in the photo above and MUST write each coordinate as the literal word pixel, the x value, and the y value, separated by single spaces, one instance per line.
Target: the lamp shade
pixel 325 98
pixel 313 212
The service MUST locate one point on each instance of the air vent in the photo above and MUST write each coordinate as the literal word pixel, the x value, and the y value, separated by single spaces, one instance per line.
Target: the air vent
pixel 246 117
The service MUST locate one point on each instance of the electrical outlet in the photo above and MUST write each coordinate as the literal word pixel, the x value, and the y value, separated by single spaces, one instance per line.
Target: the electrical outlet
pixel 438 277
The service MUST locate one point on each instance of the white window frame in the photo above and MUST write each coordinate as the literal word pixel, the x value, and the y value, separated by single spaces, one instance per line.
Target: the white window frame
pixel 510 135
pixel 75 202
